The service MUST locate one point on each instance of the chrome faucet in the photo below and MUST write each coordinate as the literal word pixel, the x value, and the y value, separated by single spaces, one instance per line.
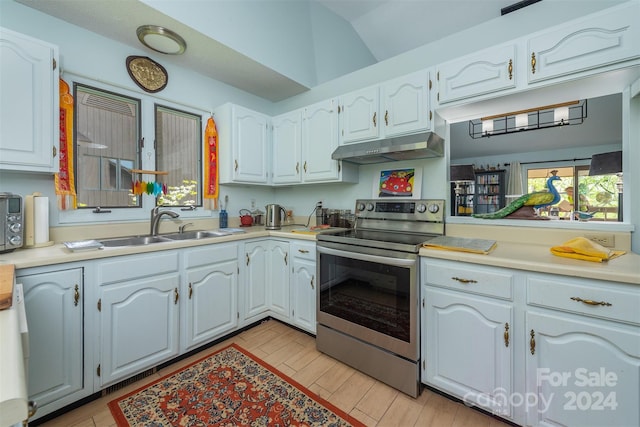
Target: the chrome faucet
pixel 156 215
pixel 183 226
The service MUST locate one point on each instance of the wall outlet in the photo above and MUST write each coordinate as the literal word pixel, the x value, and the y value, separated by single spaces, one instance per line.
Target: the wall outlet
pixel 606 240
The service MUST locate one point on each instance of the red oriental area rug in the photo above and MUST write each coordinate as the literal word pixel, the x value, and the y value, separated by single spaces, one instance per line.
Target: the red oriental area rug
pixel 231 387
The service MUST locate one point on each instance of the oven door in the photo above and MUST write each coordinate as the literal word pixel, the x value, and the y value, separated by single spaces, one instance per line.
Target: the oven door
pixel 370 294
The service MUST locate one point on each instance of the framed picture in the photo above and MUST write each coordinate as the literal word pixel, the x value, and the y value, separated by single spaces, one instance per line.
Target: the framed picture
pixel 398 183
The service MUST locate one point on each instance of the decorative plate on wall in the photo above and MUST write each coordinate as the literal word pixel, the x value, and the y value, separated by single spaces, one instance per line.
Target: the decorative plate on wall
pixel 146 73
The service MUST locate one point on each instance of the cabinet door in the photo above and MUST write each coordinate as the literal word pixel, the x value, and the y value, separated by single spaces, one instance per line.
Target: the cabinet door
pixel 255 279
pixel 319 141
pixel 287 138
pixel 406 106
pixel 250 146
pixel 581 372
pixel 54 306
pixel 278 278
pixel 468 349
pixel 139 326
pixel 29 135
pixel 359 118
pixel 603 39
pixel 491 70
pixel 303 294
pixel 211 302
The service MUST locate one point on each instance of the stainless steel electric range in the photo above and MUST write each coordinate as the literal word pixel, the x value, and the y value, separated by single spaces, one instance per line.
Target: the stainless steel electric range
pixel 368 293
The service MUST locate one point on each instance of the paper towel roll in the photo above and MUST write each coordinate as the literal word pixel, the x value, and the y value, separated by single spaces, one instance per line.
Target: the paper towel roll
pixel 41 220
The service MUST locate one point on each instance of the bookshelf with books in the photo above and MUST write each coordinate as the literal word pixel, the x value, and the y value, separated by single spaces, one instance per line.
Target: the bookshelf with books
pixel 489 195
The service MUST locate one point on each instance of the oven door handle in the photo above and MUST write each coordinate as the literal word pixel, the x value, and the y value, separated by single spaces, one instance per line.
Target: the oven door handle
pixel 398 262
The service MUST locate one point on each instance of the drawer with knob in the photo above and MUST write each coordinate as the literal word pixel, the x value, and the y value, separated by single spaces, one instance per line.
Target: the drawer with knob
pixel 472 278
pixel 593 298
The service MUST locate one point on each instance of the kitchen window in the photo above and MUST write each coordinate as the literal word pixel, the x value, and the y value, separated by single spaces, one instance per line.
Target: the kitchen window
pixel 118 132
pixel 579 192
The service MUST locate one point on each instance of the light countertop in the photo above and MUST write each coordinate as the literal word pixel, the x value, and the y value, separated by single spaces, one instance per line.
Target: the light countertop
pixel 538 258
pixel 59 254
pixel 530 257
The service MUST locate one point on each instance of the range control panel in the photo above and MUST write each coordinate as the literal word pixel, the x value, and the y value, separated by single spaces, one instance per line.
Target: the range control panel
pixel 431 210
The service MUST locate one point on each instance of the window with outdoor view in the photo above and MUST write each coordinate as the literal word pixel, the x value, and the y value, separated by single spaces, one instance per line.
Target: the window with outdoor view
pixel 111 149
pixel 107 131
pixel 593 198
pixel 178 148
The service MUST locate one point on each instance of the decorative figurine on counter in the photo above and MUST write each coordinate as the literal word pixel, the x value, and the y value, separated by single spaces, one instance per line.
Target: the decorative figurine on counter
pixel 584 216
pixel 524 207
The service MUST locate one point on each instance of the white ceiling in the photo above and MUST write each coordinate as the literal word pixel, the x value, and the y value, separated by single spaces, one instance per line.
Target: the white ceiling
pixel 386 27
pixel 391 27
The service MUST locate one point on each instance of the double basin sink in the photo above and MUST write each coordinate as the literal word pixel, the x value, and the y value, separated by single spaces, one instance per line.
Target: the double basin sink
pixel 147 240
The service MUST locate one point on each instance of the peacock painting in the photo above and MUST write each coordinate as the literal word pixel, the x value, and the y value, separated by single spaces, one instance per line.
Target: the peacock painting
pixel 524 206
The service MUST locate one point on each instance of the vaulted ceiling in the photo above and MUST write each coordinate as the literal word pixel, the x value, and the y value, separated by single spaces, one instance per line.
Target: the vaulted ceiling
pixel 384 28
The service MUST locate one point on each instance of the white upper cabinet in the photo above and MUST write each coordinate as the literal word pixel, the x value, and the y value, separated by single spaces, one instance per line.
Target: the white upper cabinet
pixel 29 135
pixel 244 145
pixel 395 107
pixel 598 40
pixel 319 141
pixel 359 115
pixel 490 70
pixel 287 155
pixel 303 141
pixel 405 104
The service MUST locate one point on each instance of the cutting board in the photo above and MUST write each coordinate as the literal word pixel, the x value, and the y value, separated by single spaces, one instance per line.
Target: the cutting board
pixel 6 285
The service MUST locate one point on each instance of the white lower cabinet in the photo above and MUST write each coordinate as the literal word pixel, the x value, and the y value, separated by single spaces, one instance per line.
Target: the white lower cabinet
pixel 255 280
pixel 583 352
pixel 139 314
pixel 277 279
pixel 467 343
pixel 266 280
pixel 570 355
pixel 303 285
pixel 54 302
pixel 470 353
pixel 209 295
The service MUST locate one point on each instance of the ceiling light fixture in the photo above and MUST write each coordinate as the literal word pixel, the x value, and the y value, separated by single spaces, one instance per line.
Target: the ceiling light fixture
pixel 566 113
pixel 161 39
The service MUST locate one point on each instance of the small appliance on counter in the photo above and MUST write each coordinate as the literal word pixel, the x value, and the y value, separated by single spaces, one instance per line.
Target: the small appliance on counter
pixel 11 221
pixel 275 215
pixel 246 219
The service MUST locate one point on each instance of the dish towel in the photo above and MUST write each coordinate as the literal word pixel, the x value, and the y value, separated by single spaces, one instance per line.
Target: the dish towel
pixel 585 249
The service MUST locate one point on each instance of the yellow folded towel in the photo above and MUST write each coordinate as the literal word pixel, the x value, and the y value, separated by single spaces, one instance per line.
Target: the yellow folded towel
pixel 585 249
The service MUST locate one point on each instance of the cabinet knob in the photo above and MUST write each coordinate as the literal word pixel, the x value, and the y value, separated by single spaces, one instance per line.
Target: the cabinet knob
pixel 506 334
pixel 465 281
pixel 532 342
pixel 76 295
pixel 510 68
pixel 591 302
pixel 533 62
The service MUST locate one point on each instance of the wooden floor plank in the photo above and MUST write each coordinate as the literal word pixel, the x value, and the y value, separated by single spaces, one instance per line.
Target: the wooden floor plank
pixel 293 353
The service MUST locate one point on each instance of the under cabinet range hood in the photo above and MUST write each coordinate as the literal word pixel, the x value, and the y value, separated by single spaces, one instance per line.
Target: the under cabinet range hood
pixel 409 147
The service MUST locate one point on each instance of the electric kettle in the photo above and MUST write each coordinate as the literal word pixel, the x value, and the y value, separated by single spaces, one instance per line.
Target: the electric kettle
pixel 274 218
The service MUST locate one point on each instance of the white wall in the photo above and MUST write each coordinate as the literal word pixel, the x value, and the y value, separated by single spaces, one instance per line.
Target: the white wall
pixel 294 38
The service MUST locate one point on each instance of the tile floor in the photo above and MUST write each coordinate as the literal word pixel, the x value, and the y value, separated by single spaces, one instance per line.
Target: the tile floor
pixel 294 353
